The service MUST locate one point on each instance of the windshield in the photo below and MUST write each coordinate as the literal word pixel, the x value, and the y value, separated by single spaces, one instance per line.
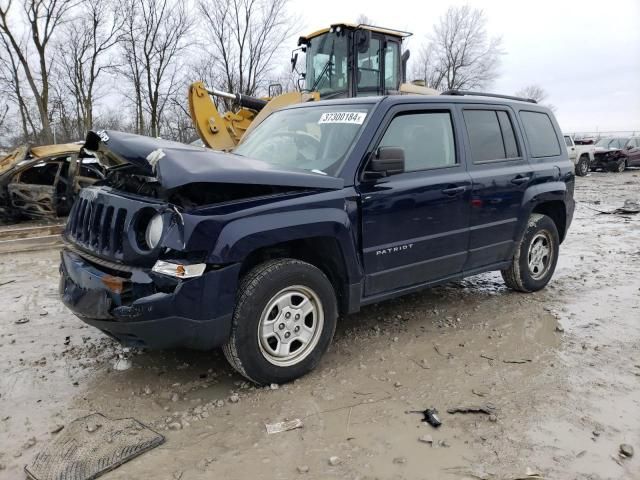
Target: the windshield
pixel 315 138
pixel 327 64
pixel 611 142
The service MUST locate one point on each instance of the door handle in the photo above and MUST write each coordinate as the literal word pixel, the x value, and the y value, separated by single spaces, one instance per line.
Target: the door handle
pixel 520 180
pixel 454 190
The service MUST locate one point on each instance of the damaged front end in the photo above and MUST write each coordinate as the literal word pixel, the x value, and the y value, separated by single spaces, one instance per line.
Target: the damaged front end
pixel 609 160
pixel 143 260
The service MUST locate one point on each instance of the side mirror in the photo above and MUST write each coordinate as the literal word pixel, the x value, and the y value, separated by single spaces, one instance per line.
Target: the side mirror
pixel 404 59
pixel 294 60
pixel 386 161
pixel 363 38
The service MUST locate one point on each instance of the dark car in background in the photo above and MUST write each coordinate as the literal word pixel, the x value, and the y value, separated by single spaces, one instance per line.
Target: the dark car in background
pixel 615 154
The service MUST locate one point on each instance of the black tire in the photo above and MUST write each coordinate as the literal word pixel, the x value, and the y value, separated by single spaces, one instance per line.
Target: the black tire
pixel 582 167
pixel 245 351
pixel 619 166
pixel 519 276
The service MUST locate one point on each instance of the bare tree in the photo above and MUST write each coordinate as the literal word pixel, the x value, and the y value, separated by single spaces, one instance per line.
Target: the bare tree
pixel 43 17
pixel 4 113
pixel 537 93
pixel 155 36
pixel 534 92
pixel 83 56
pixel 459 53
pixel 245 37
pixel 364 20
pixel 11 86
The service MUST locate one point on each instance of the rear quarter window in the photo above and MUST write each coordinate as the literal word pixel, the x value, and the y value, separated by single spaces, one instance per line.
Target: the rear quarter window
pixel 539 130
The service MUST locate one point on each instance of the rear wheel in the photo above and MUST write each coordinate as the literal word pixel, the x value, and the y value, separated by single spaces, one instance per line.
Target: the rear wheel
pixel 582 168
pixel 284 321
pixel 536 256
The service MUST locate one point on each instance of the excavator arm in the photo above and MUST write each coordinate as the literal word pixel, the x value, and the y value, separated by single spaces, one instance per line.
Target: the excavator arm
pixel 225 131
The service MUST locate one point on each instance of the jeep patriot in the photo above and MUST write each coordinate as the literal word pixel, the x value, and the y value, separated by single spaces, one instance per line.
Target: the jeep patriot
pixel 323 208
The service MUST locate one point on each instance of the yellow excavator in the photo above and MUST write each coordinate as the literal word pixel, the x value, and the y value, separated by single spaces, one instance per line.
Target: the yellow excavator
pixel 342 61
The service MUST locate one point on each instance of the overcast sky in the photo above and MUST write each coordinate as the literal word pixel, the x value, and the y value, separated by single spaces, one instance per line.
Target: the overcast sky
pixel 586 55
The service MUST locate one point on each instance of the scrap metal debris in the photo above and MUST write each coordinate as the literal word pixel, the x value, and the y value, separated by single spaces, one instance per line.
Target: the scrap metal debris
pixel 630 207
pixel 82 452
pixel 521 360
pixel 430 416
pixel 626 450
pixel 283 426
pixel 530 475
pixel 487 409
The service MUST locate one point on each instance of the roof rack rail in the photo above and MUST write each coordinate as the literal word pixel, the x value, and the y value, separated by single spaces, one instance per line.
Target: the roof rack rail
pixel 484 94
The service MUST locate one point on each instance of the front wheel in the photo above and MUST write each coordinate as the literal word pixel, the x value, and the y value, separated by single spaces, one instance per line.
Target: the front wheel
pixel 620 166
pixel 582 168
pixel 536 256
pixel 284 321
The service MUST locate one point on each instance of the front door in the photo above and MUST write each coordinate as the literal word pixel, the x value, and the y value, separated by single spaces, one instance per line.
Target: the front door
pixel 415 224
pixel 633 152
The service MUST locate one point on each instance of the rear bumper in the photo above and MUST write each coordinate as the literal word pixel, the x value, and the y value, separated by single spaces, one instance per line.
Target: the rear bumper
pixel 141 308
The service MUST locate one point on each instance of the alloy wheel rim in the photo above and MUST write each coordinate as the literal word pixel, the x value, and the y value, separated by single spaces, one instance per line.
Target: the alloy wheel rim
pixel 290 326
pixel 583 167
pixel 540 255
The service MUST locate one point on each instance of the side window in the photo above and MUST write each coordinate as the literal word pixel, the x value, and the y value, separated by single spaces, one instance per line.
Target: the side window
pixel 369 68
pixel 540 133
pixel 391 59
pixel 491 135
pixel 427 140
pixel 567 141
pixel 508 135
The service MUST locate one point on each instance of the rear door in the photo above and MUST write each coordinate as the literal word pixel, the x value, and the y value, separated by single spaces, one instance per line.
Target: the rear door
pixel 500 174
pixel 415 224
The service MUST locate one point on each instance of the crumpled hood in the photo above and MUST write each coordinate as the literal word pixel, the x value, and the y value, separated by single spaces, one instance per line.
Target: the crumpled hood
pixel 603 149
pixel 175 164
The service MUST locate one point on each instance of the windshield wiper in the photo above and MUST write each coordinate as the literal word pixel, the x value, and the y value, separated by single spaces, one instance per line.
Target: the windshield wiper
pixel 326 67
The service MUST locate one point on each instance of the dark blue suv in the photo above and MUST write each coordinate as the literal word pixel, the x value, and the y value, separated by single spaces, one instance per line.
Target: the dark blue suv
pixel 323 208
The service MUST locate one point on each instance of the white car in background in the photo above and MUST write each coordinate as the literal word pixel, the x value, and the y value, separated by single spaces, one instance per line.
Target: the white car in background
pixel 581 155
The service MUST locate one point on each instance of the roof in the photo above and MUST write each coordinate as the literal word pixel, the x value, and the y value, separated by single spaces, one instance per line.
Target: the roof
pixel 23 152
pixel 354 26
pixel 58 149
pixel 399 99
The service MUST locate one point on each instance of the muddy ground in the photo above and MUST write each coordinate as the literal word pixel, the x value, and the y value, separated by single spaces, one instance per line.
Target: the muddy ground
pixel 561 367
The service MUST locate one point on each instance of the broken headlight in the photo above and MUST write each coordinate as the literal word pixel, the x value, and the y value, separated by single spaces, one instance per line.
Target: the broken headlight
pixel 153 234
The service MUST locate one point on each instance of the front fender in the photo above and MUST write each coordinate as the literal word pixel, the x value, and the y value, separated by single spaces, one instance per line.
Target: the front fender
pixel 243 236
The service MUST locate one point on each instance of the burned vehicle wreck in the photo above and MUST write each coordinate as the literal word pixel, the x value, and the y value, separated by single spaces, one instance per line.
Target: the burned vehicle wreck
pixel 42 182
pixel 323 208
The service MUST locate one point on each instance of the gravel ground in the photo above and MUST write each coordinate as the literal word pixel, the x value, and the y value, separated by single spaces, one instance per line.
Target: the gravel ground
pixel 558 370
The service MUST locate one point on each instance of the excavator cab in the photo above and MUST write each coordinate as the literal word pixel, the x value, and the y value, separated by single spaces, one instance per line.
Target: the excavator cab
pixel 342 61
pixel 347 60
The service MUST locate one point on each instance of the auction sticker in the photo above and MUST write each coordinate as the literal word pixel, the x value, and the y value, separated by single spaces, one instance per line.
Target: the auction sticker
pixel 343 117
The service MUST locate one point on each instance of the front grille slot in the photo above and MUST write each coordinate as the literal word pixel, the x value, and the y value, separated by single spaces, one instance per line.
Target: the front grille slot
pixel 97 226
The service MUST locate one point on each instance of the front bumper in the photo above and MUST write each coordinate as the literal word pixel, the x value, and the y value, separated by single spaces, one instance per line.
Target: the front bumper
pixel 141 308
pixel 606 162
